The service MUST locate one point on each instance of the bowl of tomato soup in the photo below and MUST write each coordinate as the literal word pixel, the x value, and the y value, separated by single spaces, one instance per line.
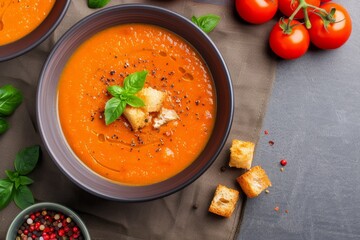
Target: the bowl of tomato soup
pixel 25 24
pixel 152 149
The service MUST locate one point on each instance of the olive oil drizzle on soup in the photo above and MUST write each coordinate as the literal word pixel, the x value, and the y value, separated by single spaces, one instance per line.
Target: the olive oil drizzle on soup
pixel 18 18
pixel 116 151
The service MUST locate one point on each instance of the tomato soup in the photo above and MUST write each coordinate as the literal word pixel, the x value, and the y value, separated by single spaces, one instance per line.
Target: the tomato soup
pixel 116 151
pixel 20 17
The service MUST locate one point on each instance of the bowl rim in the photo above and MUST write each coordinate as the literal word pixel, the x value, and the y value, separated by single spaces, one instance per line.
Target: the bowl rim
pixel 34 43
pixel 73 30
pixel 48 206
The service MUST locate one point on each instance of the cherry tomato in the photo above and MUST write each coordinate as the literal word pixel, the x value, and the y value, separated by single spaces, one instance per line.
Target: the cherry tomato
pixel 287 7
pixel 256 11
pixel 292 44
pixel 331 34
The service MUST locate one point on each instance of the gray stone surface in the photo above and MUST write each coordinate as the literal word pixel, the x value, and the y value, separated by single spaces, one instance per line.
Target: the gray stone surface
pixel 314 119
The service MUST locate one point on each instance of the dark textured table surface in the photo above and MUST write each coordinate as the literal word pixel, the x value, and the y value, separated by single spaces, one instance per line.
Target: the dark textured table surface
pixel 313 117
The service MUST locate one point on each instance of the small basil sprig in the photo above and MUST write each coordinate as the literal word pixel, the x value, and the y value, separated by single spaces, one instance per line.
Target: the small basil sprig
pixel 97 3
pixel 206 22
pixel 10 99
pixel 14 187
pixel 124 95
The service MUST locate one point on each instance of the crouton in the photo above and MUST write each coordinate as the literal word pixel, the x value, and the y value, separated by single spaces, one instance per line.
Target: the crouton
pixel 254 181
pixel 241 154
pixel 152 98
pixel 224 201
pixel 165 116
pixel 137 117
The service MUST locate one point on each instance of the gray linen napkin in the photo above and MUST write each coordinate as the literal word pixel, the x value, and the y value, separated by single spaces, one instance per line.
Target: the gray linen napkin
pixel 182 215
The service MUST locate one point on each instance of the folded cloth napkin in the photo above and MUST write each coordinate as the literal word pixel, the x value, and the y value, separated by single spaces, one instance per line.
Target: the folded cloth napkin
pixel 183 215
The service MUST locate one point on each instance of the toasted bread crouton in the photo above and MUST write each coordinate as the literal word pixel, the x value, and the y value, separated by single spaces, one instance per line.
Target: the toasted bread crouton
pixel 137 117
pixel 152 98
pixel 224 201
pixel 241 154
pixel 254 181
pixel 165 115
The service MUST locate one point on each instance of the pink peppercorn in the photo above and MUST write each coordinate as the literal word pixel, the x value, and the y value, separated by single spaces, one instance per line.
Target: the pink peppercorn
pixel 283 162
pixel 61 232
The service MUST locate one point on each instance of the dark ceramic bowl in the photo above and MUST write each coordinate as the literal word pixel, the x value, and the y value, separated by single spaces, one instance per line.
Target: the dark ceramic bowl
pixel 47 110
pixel 37 36
pixel 24 215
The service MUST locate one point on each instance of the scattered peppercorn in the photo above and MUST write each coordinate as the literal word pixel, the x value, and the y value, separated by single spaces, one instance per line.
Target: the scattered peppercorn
pixel 277 209
pixel 271 143
pixel 283 162
pixel 223 168
pixel 266 132
pixel 48 225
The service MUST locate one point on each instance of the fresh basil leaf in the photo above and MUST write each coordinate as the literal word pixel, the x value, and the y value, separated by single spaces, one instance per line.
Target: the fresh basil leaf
pixel 4 126
pixel 113 109
pixel 135 82
pixel 134 101
pixel 24 180
pixel 10 99
pixel 6 192
pixel 115 90
pixel 26 160
pixel 12 175
pixel 206 22
pixel 23 197
pixel 17 183
pixel 194 20
pixel 97 3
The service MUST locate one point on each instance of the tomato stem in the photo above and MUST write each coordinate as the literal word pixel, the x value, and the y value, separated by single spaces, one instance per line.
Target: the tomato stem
pixel 317 8
pixel 304 6
pixel 306 18
pixel 296 11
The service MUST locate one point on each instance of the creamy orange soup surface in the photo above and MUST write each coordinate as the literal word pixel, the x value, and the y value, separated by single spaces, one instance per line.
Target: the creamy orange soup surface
pixel 18 18
pixel 116 151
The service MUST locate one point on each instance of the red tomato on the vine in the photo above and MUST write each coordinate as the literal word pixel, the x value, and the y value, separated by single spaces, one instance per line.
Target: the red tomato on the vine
pixel 256 12
pixel 330 32
pixel 289 43
pixel 287 7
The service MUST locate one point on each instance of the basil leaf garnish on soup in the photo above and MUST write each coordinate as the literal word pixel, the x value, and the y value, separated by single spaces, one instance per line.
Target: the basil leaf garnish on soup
pixel 123 96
